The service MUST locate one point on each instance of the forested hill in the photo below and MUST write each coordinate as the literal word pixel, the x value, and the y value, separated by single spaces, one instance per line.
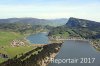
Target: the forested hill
pixel 35 21
pixel 77 28
pixel 75 22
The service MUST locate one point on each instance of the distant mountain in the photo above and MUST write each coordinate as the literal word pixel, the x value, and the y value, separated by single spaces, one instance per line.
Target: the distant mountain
pixel 58 22
pixel 75 22
pixel 35 21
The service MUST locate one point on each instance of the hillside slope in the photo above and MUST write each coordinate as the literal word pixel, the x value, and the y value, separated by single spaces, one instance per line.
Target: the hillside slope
pixel 36 21
pixel 83 23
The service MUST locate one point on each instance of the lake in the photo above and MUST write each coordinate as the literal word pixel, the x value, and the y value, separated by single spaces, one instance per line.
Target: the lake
pixel 80 50
pixel 39 38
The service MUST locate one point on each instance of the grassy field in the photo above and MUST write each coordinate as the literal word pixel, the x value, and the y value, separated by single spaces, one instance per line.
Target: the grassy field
pixel 6 38
pixel 13 51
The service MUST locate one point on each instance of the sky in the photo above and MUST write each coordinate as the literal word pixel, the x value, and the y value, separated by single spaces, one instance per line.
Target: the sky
pixel 50 9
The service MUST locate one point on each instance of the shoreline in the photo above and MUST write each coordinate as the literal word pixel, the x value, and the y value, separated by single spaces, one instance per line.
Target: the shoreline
pixel 47 59
pixel 56 40
pixel 95 44
pixel 31 44
pixel 73 39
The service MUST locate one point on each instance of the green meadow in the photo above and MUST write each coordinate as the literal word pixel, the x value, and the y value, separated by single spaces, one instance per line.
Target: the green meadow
pixel 6 37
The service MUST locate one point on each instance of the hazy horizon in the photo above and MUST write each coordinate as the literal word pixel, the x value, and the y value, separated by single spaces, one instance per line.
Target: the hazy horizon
pixel 50 9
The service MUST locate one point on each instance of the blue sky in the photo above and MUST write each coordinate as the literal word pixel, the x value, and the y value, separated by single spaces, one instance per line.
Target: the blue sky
pixel 86 9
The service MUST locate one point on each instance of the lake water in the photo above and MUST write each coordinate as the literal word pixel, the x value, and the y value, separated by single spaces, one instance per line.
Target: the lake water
pixel 39 38
pixel 71 50
pixel 78 50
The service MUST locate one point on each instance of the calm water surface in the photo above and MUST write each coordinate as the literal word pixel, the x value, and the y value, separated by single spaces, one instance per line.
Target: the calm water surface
pixel 39 38
pixel 77 49
pixel 70 49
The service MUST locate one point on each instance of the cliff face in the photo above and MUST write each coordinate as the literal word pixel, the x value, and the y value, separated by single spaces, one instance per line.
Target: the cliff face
pixel 75 22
